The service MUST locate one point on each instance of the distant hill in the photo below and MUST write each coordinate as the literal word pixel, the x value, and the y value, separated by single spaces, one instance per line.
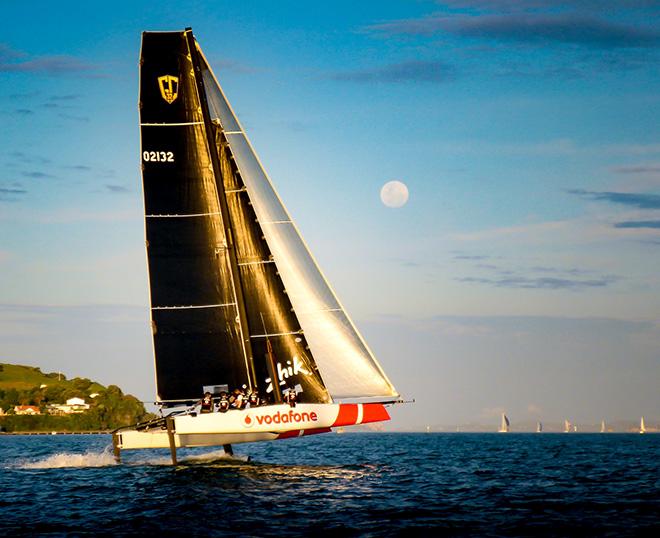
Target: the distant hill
pixel 26 377
pixel 27 385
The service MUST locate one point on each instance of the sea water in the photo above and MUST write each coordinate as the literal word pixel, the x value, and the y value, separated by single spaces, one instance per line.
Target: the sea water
pixel 356 484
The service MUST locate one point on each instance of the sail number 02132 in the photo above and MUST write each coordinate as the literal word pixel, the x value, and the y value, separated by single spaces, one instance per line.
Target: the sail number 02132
pixel 158 156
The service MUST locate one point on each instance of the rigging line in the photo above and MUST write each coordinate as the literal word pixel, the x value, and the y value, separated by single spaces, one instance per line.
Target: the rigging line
pixel 179 216
pixel 275 334
pixel 276 222
pixel 234 132
pixel 233 191
pixel 192 306
pixel 171 124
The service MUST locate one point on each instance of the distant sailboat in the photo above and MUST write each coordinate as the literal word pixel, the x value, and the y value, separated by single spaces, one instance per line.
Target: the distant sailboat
pixel 567 426
pixel 504 426
pixel 602 426
pixel 539 427
pixel 642 427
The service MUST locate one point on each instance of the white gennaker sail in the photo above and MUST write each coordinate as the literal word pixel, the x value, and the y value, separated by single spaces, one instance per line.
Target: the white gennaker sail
pixel 237 300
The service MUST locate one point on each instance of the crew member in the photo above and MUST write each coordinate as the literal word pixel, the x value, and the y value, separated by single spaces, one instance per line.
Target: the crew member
pixel 207 403
pixel 290 397
pixel 223 404
pixel 239 399
pixel 253 399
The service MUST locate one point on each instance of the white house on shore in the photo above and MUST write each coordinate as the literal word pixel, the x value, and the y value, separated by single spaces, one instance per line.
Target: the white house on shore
pixel 26 410
pixel 72 405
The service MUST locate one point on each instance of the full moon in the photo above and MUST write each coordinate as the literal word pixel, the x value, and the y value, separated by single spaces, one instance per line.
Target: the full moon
pixel 394 194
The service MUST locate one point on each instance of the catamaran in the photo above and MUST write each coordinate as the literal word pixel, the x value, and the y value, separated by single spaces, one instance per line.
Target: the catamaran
pixel 237 300
pixel 504 425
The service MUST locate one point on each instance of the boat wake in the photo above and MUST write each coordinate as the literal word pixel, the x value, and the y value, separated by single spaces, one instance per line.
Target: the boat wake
pixel 68 459
pixel 106 458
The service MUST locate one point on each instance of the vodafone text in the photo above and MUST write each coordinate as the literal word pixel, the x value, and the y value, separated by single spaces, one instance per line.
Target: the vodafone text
pixel 284 418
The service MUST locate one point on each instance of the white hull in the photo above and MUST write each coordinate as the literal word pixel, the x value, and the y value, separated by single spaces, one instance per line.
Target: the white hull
pixel 266 423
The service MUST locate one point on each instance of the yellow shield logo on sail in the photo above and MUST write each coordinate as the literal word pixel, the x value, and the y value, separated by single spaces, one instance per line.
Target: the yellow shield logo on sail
pixel 169 87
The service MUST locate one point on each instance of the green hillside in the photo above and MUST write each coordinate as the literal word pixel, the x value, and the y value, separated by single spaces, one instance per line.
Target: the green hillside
pixel 27 377
pixel 28 385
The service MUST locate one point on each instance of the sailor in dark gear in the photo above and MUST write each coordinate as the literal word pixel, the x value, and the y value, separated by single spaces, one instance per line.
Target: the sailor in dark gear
pixel 223 404
pixel 290 397
pixel 207 403
pixel 253 398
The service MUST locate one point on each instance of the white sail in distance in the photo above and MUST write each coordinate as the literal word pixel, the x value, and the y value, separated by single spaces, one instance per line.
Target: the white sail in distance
pixel 642 427
pixel 504 425
pixel 348 367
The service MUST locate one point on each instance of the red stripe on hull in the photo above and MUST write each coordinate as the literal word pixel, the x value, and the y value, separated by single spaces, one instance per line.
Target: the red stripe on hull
pixel 374 413
pixel 288 435
pixel 347 416
pixel 349 413
pixel 296 433
pixel 317 430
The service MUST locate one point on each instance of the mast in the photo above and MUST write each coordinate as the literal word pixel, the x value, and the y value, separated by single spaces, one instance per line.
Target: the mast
pixel 226 220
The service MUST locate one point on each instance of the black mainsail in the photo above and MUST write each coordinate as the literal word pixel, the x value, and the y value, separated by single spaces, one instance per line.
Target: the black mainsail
pixel 236 297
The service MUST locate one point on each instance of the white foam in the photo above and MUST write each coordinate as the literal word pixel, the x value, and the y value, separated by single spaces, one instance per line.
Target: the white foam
pixel 106 458
pixel 67 459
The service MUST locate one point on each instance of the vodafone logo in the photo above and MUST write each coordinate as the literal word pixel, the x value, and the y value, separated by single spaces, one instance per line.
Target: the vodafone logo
pixel 280 418
pixel 248 421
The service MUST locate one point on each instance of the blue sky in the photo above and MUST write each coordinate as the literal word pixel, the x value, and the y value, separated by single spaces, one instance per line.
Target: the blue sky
pixel 521 275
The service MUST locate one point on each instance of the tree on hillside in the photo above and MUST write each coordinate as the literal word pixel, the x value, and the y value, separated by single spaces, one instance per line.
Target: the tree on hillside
pixel 81 383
